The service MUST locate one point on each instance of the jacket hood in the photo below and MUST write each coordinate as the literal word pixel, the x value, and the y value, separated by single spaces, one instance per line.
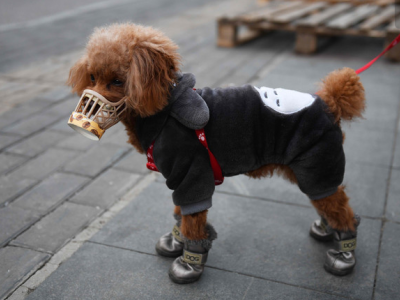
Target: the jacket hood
pixel 185 105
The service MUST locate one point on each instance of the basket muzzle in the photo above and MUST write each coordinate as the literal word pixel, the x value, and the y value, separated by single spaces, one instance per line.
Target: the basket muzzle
pixel 94 114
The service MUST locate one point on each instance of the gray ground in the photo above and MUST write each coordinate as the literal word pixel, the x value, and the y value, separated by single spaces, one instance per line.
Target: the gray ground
pixel 58 189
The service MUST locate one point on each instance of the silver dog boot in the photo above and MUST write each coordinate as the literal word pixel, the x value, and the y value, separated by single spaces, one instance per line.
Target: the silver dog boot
pixel 189 267
pixel 321 231
pixel 171 243
pixel 342 260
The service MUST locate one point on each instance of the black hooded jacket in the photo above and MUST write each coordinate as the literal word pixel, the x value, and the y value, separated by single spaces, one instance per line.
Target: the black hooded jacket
pixel 245 128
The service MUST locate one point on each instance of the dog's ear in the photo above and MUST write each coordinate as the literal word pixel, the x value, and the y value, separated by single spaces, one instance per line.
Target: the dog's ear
pixel 150 77
pixel 79 77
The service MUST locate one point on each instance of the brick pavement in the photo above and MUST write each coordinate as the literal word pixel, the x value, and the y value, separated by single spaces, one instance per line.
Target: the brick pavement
pixel 58 189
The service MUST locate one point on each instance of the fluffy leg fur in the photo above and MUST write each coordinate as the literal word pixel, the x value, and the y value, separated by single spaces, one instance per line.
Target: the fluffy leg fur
pixel 271 169
pixel 193 226
pixel 336 210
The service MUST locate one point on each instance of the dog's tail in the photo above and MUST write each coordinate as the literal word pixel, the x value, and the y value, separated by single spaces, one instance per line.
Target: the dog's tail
pixel 343 92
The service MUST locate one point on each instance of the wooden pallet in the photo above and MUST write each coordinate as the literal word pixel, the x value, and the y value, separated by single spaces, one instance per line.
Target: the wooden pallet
pixel 354 2
pixel 313 19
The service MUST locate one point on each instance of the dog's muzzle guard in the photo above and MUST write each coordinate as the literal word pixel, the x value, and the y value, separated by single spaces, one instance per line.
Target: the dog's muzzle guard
pixel 94 114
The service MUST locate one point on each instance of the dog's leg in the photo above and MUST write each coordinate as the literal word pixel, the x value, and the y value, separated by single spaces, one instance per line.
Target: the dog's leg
pixel 336 210
pixel 197 236
pixel 193 226
pixel 338 222
pixel 171 243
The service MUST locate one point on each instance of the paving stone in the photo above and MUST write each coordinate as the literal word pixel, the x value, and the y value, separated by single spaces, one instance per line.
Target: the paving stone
pixel 274 241
pixel 270 44
pixel 20 293
pixel 366 186
pixel 106 189
pixel 275 80
pixel 116 135
pixel 111 273
pixel 37 143
pixel 62 126
pixel 28 126
pixel 34 281
pixel 43 165
pixel 396 161
pixel 16 264
pixel 14 220
pixel 368 146
pixel 94 161
pixel 381 112
pixel 133 162
pixel 264 289
pixel 55 229
pixel 50 192
pixel 388 276
pixel 6 140
pixel 24 93
pixel 11 189
pixel 76 141
pixel 21 112
pixel 333 58
pixel 17 93
pixel 57 94
pixel 274 188
pixel 360 49
pixel 64 108
pixel 393 207
pixel 10 161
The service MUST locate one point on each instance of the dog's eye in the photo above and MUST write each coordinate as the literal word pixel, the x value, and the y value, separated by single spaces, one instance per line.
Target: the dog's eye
pixel 92 77
pixel 117 82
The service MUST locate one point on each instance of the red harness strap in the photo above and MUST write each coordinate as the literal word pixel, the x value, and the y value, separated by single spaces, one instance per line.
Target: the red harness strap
pixel 150 160
pixel 218 178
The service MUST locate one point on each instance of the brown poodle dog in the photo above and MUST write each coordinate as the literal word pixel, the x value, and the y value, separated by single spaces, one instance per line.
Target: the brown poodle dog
pixel 141 65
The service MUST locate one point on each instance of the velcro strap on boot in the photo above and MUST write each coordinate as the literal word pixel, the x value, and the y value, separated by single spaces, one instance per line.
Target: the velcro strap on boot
pixel 346 245
pixel 177 233
pixel 325 227
pixel 194 258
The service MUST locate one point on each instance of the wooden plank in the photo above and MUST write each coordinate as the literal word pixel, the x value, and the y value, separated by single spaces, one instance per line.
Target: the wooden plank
pixel 325 15
pixel 227 34
pixel 306 43
pixel 269 11
pixel 385 15
pixel 298 13
pixel 394 26
pixel 394 53
pixel 352 2
pixel 351 18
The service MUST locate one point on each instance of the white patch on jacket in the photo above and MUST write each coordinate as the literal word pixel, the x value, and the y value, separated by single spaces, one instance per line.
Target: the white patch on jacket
pixel 285 101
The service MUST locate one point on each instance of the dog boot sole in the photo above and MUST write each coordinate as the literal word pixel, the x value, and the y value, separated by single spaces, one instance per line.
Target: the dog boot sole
pixel 182 281
pixel 337 272
pixel 168 254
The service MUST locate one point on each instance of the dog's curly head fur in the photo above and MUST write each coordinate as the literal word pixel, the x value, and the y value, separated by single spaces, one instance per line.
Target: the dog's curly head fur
pixel 128 60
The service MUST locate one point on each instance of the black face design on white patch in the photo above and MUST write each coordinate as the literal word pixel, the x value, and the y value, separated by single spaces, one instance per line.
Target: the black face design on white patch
pixel 285 101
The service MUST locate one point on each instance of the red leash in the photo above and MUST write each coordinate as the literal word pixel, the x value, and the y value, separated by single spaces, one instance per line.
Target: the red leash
pixel 390 46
